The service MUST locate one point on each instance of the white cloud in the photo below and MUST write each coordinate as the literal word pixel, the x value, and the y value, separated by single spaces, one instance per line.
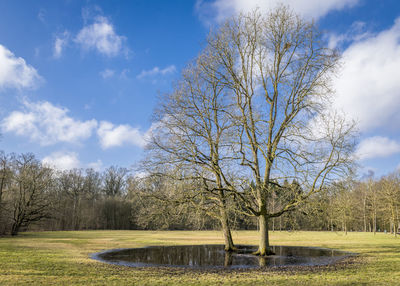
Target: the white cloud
pixel 62 160
pixel 111 135
pixel 219 10
pixel 47 124
pixel 156 71
pixel 15 72
pixel 65 160
pixel 377 146
pixel 102 37
pixel 60 43
pixel 368 88
pixel 107 73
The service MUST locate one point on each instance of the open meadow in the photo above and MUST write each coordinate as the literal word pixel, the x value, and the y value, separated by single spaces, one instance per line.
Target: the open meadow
pixel 62 258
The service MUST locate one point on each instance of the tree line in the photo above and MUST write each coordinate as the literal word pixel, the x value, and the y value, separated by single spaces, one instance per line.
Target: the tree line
pixel 37 197
pixel 34 196
pixel 370 205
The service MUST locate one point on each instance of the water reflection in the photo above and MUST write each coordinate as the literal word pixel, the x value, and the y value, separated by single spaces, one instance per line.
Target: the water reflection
pixel 206 256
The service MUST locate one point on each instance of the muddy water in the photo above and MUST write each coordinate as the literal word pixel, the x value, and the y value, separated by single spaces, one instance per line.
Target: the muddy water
pixel 214 256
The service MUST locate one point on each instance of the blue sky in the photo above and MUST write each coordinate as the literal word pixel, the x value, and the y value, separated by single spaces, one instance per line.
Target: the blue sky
pixel 79 79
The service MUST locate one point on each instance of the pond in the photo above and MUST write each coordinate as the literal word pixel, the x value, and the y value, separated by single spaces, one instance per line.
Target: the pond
pixel 214 256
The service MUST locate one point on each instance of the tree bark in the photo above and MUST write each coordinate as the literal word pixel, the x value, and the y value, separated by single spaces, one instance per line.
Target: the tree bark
pixel 15 229
pixel 228 259
pixel 365 213
pixel 264 247
pixel 229 246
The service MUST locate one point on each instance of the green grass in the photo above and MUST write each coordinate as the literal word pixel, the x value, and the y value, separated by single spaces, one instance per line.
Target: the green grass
pixel 62 258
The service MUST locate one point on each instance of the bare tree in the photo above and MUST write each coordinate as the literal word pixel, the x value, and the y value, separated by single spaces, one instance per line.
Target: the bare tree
pixel 278 70
pixel 30 190
pixel 258 104
pixel 372 193
pixel 343 203
pixel 5 180
pixel 390 191
pixel 92 190
pixel 191 141
pixel 114 181
pixel 114 190
pixel 72 190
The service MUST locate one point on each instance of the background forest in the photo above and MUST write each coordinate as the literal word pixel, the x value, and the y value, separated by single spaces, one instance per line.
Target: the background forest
pixel 36 197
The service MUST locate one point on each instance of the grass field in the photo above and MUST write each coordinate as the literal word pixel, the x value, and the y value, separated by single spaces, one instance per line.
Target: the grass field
pixel 62 258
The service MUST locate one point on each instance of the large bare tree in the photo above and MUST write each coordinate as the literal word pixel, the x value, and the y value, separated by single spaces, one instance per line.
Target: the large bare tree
pixel 260 105
pixel 278 71
pixel 191 141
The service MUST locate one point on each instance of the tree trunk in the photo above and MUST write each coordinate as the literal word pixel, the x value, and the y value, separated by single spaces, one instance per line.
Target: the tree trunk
pixel 396 225
pixel 273 210
pixel 1 191
pixel 264 247
pixel 15 229
pixel 228 259
pixel 365 213
pixel 229 246
pixel 393 223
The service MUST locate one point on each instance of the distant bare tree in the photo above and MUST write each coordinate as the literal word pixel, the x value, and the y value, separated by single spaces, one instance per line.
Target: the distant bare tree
pixel 390 191
pixel 72 190
pixel 344 205
pixel 5 180
pixel 372 193
pixel 114 179
pixel 115 211
pixel 30 192
pixel 92 189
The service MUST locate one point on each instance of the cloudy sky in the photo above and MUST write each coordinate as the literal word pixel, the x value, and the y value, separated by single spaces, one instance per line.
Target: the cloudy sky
pixel 79 79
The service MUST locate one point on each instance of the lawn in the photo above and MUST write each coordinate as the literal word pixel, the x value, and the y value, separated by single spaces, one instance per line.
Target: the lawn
pixel 62 258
